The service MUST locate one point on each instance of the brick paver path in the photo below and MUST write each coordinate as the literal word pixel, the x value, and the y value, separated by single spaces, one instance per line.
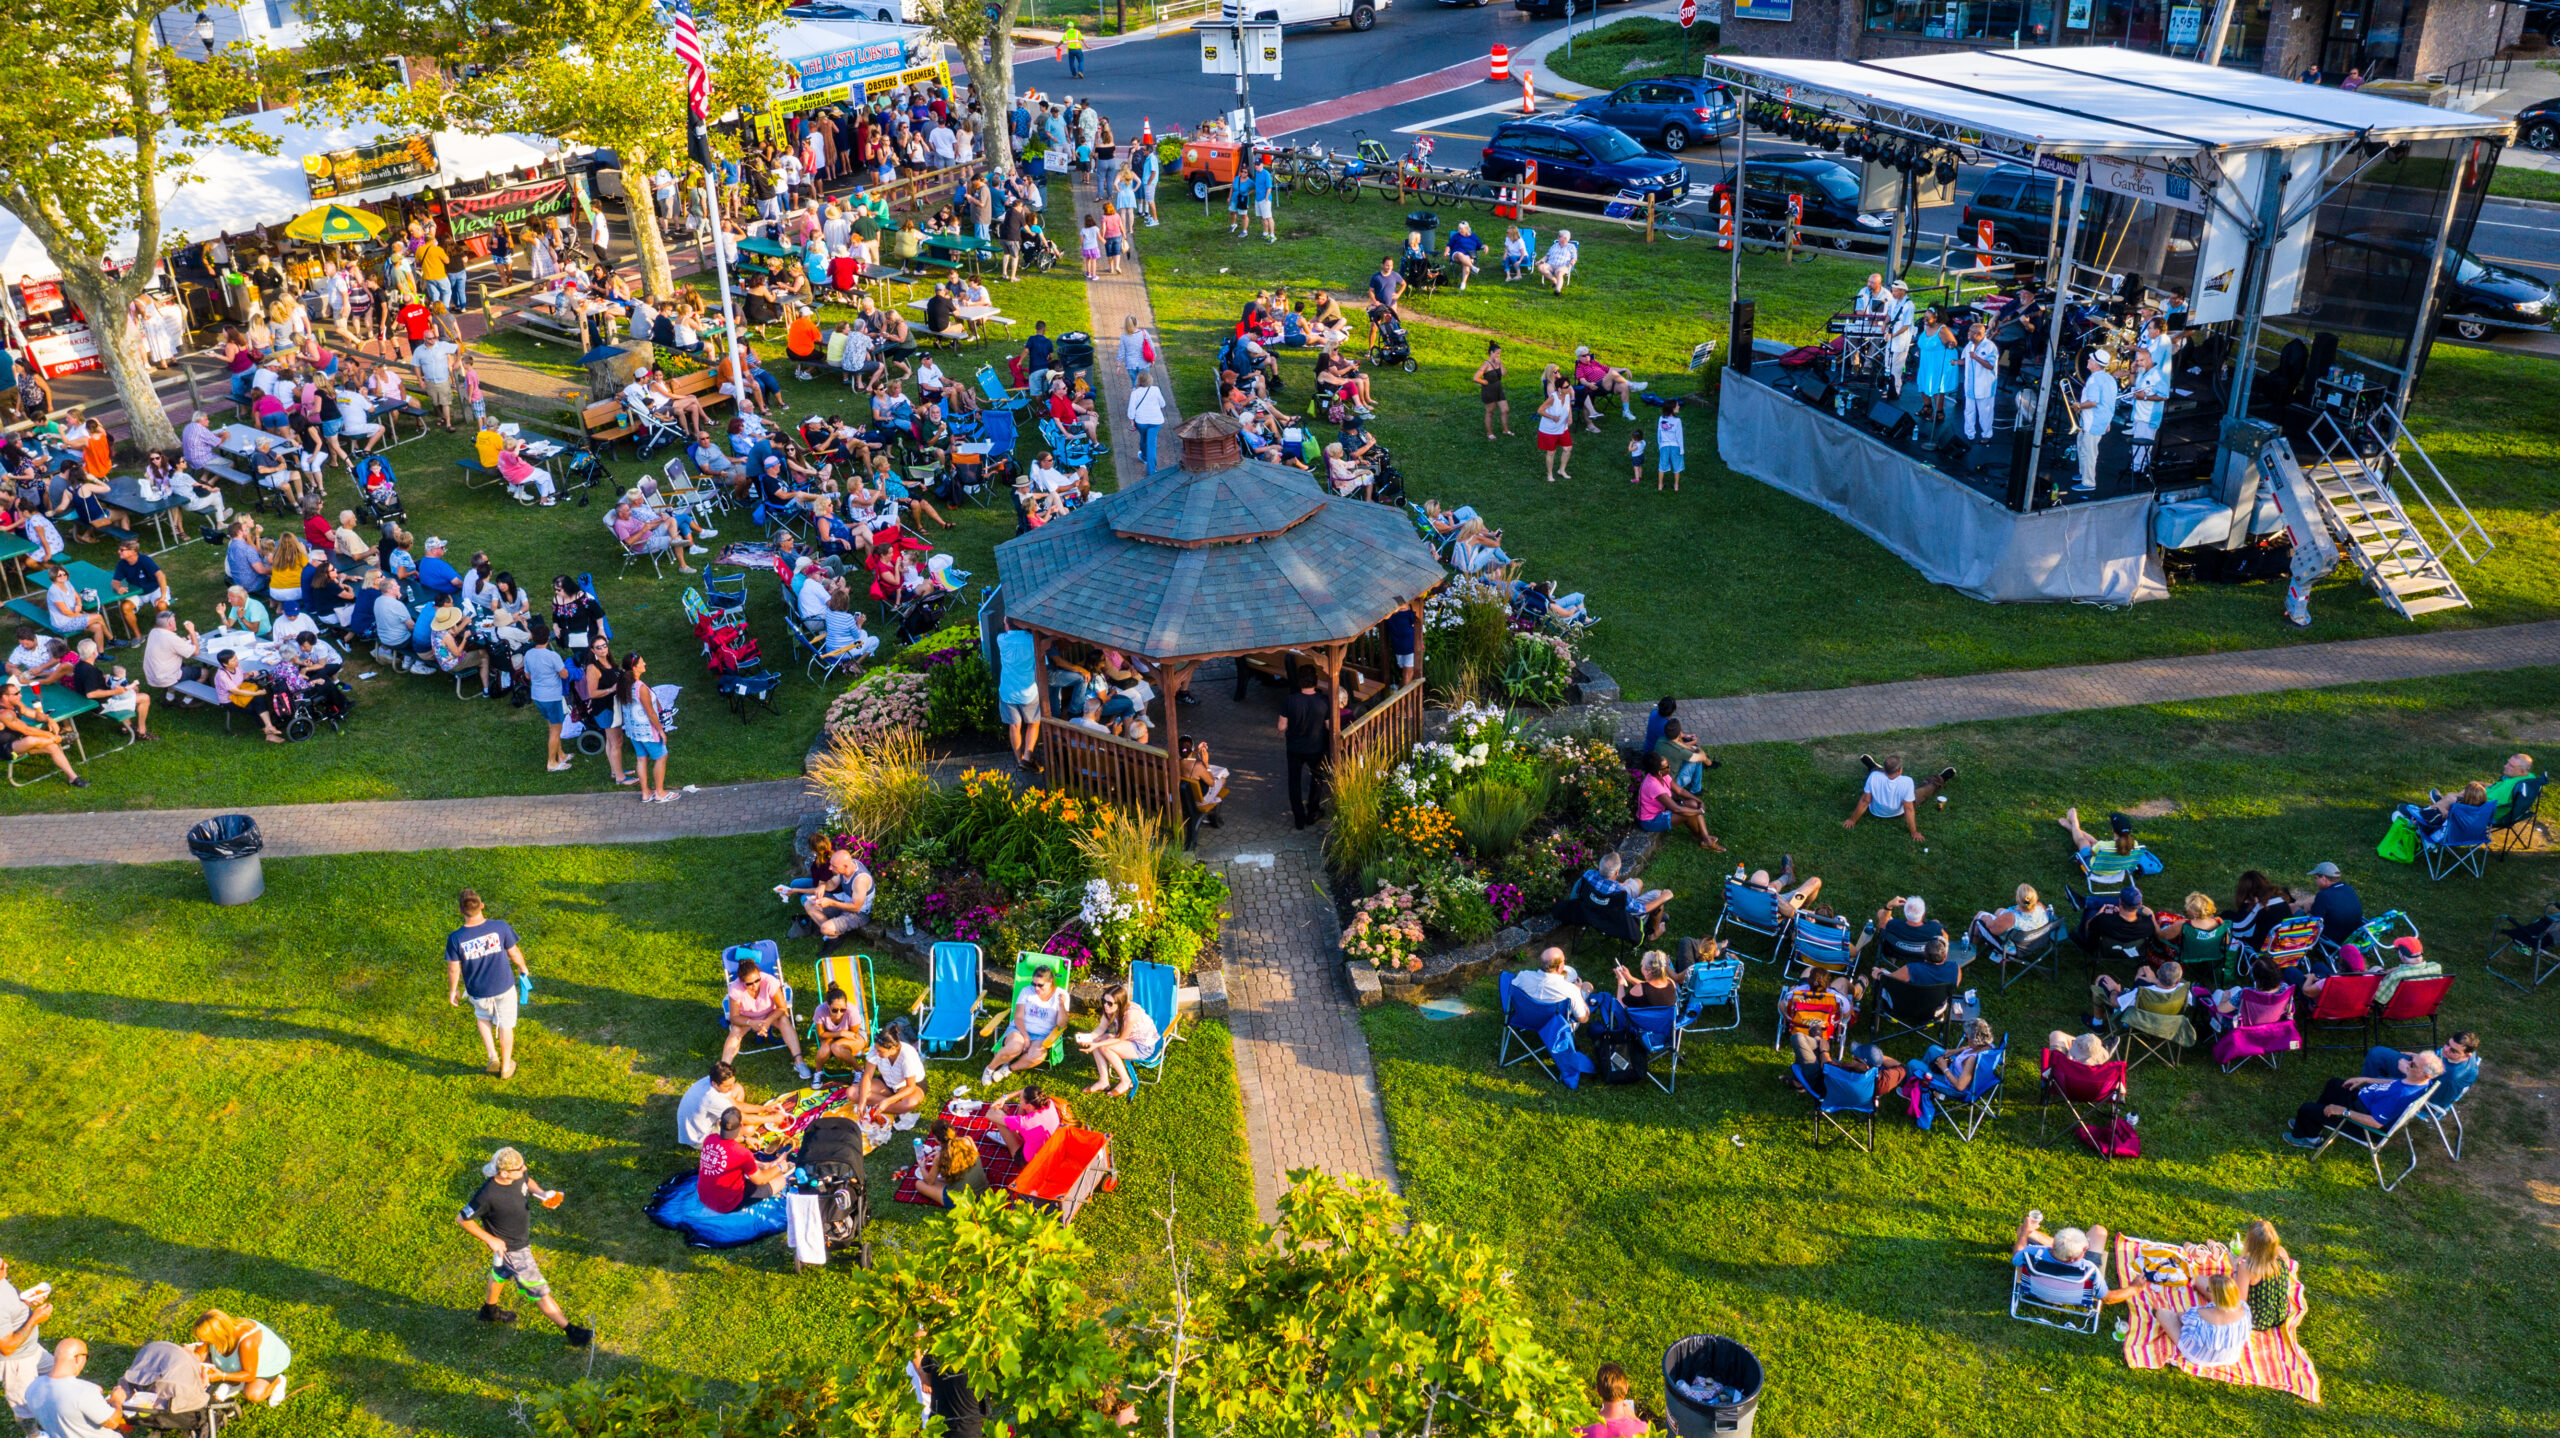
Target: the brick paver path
pixel 2026 693
pixel 1114 298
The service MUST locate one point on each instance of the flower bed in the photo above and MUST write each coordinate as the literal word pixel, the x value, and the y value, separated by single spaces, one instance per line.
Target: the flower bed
pixel 1470 834
pixel 1477 646
pixel 1016 870
pixel 939 685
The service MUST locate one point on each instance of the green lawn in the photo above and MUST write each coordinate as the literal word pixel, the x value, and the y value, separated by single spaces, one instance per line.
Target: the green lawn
pixel 1731 587
pixel 1636 49
pixel 410 739
pixel 271 1110
pixel 1873 1286
pixel 2515 182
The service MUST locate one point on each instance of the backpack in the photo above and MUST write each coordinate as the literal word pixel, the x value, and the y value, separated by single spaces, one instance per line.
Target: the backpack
pixel 2116 1140
pixel 1621 1055
pixel 2399 842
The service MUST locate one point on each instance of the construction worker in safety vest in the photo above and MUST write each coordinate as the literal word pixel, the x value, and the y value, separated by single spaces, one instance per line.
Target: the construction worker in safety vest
pixel 1073 40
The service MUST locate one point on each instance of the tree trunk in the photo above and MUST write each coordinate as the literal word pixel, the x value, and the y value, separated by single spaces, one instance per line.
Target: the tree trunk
pixel 640 205
pixel 991 85
pixel 120 350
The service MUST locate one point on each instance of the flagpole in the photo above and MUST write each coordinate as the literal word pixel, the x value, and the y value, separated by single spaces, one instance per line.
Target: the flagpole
pixel 719 254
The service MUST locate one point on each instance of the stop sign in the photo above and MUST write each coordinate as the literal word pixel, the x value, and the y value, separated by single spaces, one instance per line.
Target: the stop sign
pixel 1688 13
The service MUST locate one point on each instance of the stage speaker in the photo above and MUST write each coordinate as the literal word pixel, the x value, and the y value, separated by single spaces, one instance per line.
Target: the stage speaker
pixel 1738 357
pixel 1890 420
pixel 1814 388
pixel 2022 480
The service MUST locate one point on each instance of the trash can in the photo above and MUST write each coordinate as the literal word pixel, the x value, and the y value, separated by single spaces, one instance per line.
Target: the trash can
pixel 1712 1358
pixel 227 846
pixel 1427 225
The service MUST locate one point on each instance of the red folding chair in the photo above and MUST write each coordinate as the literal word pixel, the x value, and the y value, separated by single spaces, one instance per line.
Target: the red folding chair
pixel 2087 1090
pixel 2415 1002
pixel 2345 1003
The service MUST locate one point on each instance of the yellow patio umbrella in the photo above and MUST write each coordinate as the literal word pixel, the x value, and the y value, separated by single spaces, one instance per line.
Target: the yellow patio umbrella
pixel 336 225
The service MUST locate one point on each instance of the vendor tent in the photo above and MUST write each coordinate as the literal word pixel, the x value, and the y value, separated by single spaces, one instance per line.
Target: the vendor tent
pixel 228 191
pixel 828 60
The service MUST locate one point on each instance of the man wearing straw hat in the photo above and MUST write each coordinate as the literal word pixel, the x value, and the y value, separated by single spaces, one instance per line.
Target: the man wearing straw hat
pixel 2096 409
pixel 500 1216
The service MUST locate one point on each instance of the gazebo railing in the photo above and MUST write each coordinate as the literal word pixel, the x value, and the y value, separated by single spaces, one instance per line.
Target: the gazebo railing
pixel 1393 728
pixel 1106 766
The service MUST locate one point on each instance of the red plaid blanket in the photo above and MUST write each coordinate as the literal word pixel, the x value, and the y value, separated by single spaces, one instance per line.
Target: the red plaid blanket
pixel 2275 1357
pixel 1002 1167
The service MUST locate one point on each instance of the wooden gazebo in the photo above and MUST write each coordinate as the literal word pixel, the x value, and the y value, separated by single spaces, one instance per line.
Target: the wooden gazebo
pixel 1218 556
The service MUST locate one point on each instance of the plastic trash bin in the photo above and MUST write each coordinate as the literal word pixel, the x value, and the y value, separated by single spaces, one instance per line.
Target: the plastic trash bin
pixel 1716 1359
pixel 227 846
pixel 1427 224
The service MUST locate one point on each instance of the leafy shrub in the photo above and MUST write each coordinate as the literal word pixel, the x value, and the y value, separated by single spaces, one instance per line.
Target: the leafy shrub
pixel 1359 812
pixel 1538 670
pixel 1386 928
pixel 1491 815
pixel 1460 914
pixel 884 701
pixel 960 694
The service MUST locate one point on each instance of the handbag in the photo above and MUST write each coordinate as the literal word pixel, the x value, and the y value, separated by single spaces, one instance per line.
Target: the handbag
pixel 1621 1055
pixel 1147 349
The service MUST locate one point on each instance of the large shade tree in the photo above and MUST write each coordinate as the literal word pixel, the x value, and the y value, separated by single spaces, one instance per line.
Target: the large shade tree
pixel 98 121
pixel 589 72
pixel 982 31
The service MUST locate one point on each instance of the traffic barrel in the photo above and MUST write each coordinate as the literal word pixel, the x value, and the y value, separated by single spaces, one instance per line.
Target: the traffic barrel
pixel 1501 63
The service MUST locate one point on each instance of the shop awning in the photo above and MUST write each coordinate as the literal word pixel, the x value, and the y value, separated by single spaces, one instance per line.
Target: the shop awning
pixel 228 191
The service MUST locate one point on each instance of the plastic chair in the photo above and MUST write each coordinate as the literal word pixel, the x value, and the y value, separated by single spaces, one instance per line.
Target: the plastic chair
pixel 1712 985
pixel 1524 1021
pixel 1843 1099
pixel 947 1012
pixel 1151 987
pixel 1752 911
pixel 2264 1027
pixel 2414 1002
pixel 2084 1090
pixel 2374 1141
pixel 768 957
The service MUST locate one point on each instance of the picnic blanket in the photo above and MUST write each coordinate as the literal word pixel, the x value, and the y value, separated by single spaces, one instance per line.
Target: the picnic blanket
pixel 980 1128
pixel 794 1112
pixel 2275 1358
pixel 675 1205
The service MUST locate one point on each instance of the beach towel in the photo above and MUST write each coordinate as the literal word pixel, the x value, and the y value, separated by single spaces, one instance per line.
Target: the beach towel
pixel 675 1205
pixel 2275 1358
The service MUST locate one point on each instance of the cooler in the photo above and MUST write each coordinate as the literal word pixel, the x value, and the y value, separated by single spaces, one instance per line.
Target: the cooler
pixel 1067 1170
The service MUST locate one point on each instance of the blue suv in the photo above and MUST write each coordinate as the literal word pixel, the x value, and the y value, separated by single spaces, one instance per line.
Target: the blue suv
pixel 1669 112
pixel 1580 158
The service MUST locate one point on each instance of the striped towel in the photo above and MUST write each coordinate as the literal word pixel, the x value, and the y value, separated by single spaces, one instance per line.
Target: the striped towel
pixel 2275 1358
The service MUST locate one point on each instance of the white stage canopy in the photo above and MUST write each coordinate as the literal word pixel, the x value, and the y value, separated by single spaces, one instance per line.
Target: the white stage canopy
pixel 229 191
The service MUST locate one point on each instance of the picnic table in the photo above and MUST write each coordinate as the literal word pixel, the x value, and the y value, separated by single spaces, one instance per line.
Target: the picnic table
pixel 86 577
pixel 961 248
pixel 58 701
pixel 14 549
pixel 124 492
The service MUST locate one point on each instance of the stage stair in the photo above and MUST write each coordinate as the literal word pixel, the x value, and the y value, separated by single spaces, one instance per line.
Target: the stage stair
pixel 2358 481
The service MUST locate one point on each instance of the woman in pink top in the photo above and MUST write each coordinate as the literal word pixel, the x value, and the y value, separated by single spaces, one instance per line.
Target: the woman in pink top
pixel 1026 1119
pixel 757 1009
pixel 1609 1386
pixel 1662 804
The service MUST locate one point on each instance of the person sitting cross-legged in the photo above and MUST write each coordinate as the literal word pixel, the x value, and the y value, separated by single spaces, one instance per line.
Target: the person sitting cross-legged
pixel 893 1080
pixel 1892 794
pixel 1662 804
pixel 731 1177
pixel 957 1168
pixel 841 903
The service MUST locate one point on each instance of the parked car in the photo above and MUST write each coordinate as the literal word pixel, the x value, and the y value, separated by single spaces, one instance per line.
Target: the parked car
pixel 1582 157
pixel 2538 126
pixel 2019 204
pixel 1669 112
pixel 2479 298
pixel 1358 14
pixel 1831 193
pixel 1550 9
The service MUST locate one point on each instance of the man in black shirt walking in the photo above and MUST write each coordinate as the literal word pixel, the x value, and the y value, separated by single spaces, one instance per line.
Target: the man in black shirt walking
pixel 500 1216
pixel 1306 728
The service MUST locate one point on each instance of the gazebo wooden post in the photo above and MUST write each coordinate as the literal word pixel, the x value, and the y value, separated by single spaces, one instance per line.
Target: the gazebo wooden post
pixel 1169 680
pixel 1416 606
pixel 1333 657
pixel 1040 695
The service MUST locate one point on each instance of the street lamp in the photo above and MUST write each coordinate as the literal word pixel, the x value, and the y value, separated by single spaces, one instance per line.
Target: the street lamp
pixel 204 31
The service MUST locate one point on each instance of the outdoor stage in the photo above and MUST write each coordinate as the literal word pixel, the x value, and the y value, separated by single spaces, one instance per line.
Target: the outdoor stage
pixel 1955 533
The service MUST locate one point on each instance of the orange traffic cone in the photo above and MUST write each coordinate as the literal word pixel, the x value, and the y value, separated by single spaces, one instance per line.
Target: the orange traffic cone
pixel 1146 132
pixel 1528 91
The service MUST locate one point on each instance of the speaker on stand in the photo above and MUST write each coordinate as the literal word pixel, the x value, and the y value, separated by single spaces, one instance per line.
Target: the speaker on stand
pixel 1739 356
pixel 2022 479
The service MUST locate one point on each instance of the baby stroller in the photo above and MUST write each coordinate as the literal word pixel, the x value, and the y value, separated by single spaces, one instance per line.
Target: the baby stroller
pixel 1393 347
pixel 1038 251
pixel 1387 486
pixel 831 1182
pixel 379 490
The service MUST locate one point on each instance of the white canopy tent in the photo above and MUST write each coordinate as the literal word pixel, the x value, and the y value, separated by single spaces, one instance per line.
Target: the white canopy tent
pixel 228 191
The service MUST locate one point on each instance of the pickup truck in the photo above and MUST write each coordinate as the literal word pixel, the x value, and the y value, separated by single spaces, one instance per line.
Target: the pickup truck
pixel 1358 14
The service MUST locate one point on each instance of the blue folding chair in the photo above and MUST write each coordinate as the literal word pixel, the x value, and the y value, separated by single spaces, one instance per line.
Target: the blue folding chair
pixel 947 1012
pixel 1978 1102
pixel 1816 945
pixel 1524 1021
pixel 1151 988
pixel 1658 1026
pixel 1843 1098
pixel 2460 844
pixel 1752 910
pixel 768 957
pixel 1712 984
pixel 991 387
pixel 725 591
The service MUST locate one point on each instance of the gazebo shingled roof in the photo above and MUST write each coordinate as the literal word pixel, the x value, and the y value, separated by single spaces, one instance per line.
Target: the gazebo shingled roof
pixel 1218 555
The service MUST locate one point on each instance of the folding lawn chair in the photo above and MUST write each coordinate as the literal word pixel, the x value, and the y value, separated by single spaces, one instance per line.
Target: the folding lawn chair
pixel 2446 1103
pixel 2157 1029
pixel 1752 911
pixel 725 591
pixel 2344 1004
pixel 2538 942
pixel 1967 1109
pixel 2374 1141
pixel 2517 825
pixel 2107 872
pixel 854 974
pixel 2292 944
pixel 2415 1002
pixel 2262 1029
pixel 2464 842
pixel 1657 1026
pixel 1919 1010
pixel 2019 955
pixel 768 957
pixel 1026 967
pixel 1712 984
pixel 947 1011
pixel 1844 1098
pixel 2087 907
pixel 1525 1021
pixel 993 393
pixel 1151 987
pixel 1815 945
pixel 2086 1091
pixel 2059 1297
pixel 2375 936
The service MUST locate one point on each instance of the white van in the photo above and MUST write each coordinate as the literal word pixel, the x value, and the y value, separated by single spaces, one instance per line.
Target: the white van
pixel 1358 14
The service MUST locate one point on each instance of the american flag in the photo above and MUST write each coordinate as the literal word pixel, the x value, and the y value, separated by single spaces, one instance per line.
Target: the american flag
pixel 688 47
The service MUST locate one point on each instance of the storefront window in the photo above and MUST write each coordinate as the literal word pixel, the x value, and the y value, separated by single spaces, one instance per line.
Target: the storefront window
pixel 2003 21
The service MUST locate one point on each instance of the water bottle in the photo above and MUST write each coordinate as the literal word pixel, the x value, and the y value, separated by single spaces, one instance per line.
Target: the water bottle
pixel 1972 1003
pixel 1738 874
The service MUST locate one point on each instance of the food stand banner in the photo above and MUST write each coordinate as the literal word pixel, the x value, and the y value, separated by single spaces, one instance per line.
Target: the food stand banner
pixel 365 167
pixel 826 61
pixel 67 351
pixel 475 214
